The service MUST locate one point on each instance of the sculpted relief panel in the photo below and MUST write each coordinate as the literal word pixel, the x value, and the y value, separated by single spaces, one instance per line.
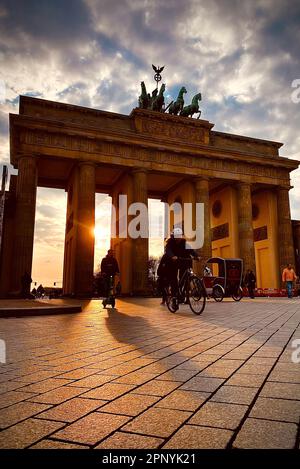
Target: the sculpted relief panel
pixel 179 132
pixel 155 156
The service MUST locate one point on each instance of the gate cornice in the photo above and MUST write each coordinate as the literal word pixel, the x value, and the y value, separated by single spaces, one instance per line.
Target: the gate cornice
pixel 40 134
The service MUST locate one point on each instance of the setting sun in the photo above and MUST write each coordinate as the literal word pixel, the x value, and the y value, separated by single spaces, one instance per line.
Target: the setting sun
pixel 101 233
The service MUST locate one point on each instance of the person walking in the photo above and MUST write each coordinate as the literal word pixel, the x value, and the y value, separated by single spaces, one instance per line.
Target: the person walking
pixel 250 281
pixel 40 291
pixel 289 276
pixel 26 281
pixel 162 278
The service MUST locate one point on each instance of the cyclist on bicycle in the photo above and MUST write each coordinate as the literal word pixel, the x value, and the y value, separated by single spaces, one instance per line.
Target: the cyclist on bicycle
pixel 109 269
pixel 177 251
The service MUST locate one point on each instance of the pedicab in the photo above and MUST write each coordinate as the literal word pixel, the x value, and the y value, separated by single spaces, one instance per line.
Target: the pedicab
pixel 228 278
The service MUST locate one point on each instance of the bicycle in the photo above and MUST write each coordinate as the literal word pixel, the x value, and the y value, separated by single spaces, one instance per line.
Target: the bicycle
pixel 190 290
pixel 111 297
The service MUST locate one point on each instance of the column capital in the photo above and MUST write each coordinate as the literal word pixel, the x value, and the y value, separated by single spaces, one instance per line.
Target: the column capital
pixel 244 184
pixel 201 178
pixel 201 183
pixel 86 163
pixel 139 170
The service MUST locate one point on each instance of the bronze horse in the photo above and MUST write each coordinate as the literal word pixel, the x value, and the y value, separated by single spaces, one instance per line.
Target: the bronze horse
pixel 177 106
pixel 188 111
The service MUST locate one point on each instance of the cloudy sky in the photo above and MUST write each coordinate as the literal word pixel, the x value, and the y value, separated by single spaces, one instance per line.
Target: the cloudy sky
pixel 242 55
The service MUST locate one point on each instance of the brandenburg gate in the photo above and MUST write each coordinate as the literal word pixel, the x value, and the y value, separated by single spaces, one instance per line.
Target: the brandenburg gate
pixel 243 183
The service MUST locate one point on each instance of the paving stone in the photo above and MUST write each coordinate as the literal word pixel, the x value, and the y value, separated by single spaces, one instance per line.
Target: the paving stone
pixel 55 444
pixel 20 411
pixel 77 374
pixel 72 410
pixel 122 440
pixel 37 376
pixel 142 351
pixel 266 434
pixel 261 361
pixel 202 384
pixel 216 414
pixel 287 367
pixel 10 386
pixel 157 422
pixel 93 381
pixel 216 372
pixel 108 391
pixel 156 368
pixel 91 429
pixel 255 369
pixel 12 397
pixel 192 365
pixel 268 352
pixel 135 378
pixel 285 377
pixel 157 388
pixel 193 437
pixel 56 396
pixel 58 370
pixel 235 395
pixel 183 400
pixel 130 404
pixel 241 379
pixel 26 433
pixel 46 385
pixel 177 375
pixel 276 409
pixel 281 390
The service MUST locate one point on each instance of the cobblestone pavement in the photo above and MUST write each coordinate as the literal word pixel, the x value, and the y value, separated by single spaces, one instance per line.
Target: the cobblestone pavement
pixel 141 377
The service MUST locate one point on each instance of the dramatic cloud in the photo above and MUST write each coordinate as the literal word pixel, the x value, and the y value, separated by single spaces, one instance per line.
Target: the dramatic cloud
pixel 242 56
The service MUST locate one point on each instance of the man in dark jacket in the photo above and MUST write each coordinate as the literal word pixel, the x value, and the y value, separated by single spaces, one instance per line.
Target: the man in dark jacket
pixel 250 281
pixel 26 281
pixel 109 268
pixel 176 249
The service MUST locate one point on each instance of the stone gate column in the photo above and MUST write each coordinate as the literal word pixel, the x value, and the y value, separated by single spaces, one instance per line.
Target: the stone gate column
pixel 24 220
pixel 245 228
pixel 285 234
pixel 201 185
pixel 84 255
pixel 140 245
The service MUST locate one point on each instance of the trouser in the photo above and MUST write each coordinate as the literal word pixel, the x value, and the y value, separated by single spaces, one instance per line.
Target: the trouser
pixel 162 283
pixel 174 281
pixel 173 276
pixel 109 283
pixel 251 290
pixel 289 287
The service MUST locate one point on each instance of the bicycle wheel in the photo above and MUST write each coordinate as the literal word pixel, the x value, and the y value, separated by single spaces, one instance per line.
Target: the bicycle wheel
pixel 171 304
pixel 196 295
pixel 218 293
pixel 238 295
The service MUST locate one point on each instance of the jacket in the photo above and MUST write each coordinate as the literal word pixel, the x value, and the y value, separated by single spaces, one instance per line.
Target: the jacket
pixel 109 266
pixel 288 275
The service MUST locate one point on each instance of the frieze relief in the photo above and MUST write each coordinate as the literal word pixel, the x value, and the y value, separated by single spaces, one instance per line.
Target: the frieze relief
pixel 179 132
pixel 110 149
